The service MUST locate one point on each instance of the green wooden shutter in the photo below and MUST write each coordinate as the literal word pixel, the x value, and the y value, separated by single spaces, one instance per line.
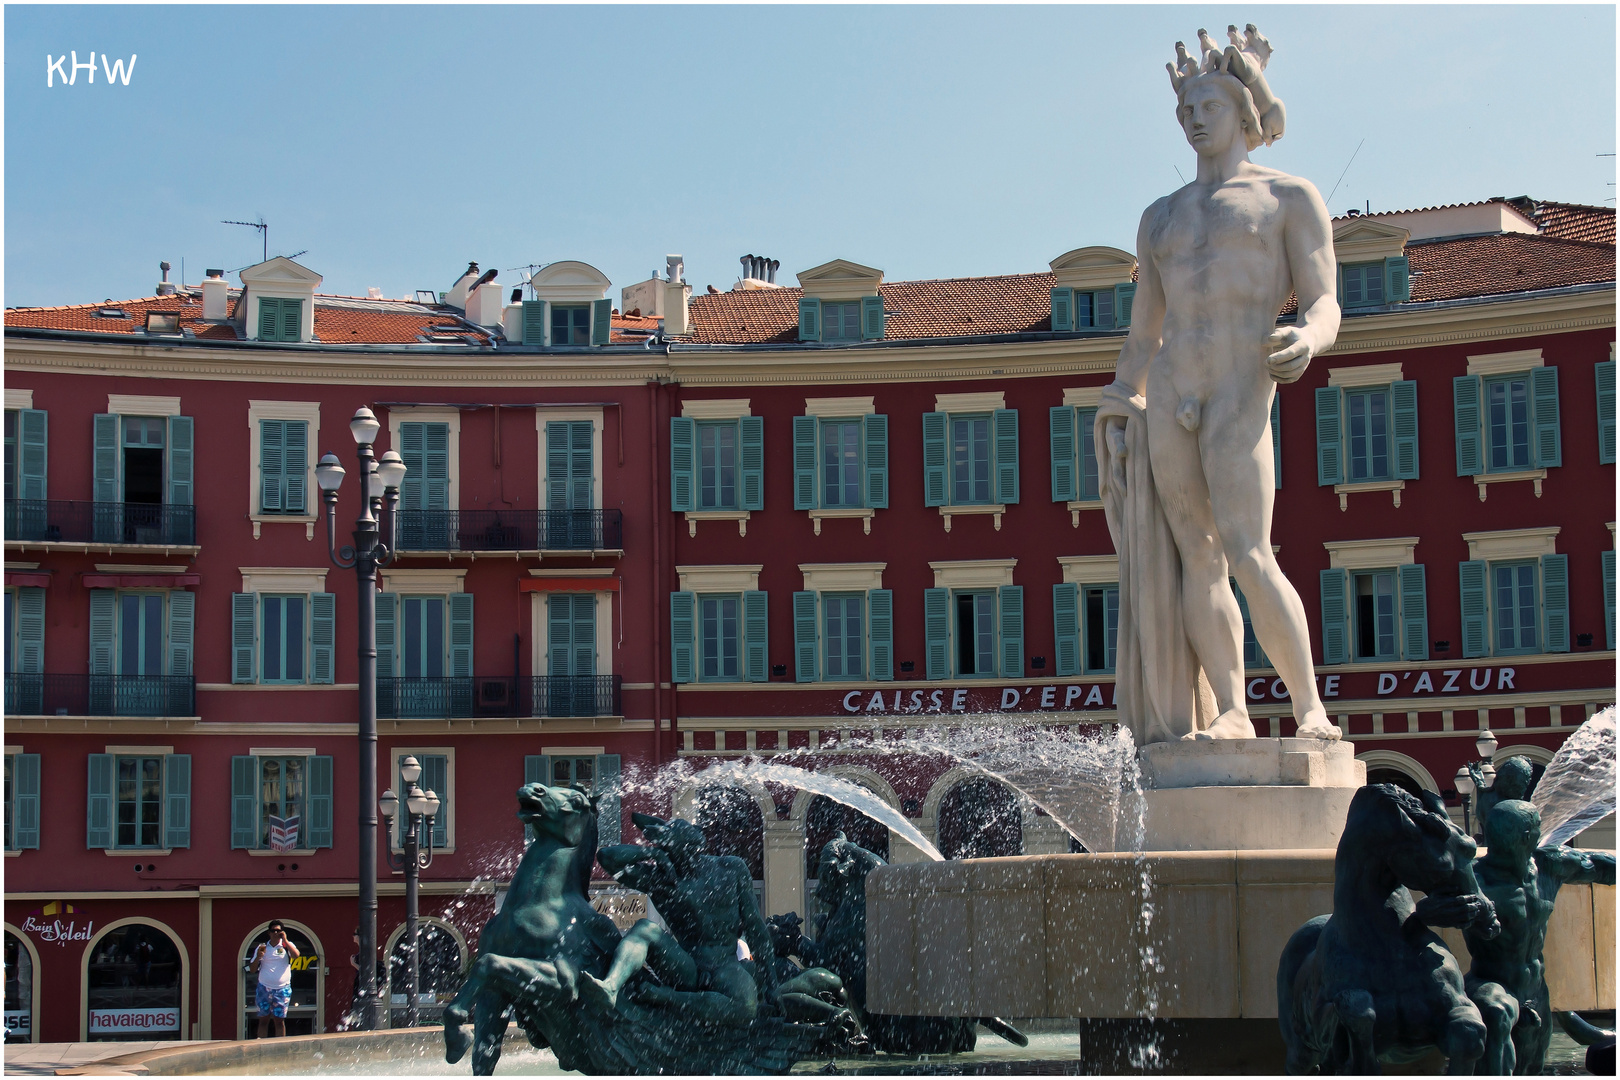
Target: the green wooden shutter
pixel 559 635
pixel 1243 610
pixel 1335 623
pixel 751 461
pixel 1403 401
pixel 25 801
pixel 537 770
pixel 756 636
pixel 272 440
pixel 436 778
pixel 32 426
pixel 609 816
pixel 103 613
pixel 1548 447
pixel 1465 399
pixel 106 459
pixel 99 812
pixel 875 433
pixel 804 462
pixel 181 447
pixel 682 632
pixel 1065 487
pixel 1476 636
pixel 295 467
pixel 809 319
pixel 1414 613
pixel 1276 439
pixel 1006 428
pixel 461 635
pixel 182 630
pixel 292 320
pixel 244 801
pixel 682 464
pixel 1100 319
pixel 244 623
pixel 1124 298
pixel 410 450
pixel 387 638
pixel 1397 280
pixel 534 322
pixel 880 624
pixel 805 659
pixel 601 321
pixel 1555 601
pixel 1608 598
pixel 557 465
pixel 584 634
pixel 436 466
pixel 322 638
pixel 177 801
pixel 30 656
pixel 1066 627
pixel 1606 412
pixel 269 319
pixel 582 465
pixel 935 489
pixel 1012 631
pixel 1062 310
pixel 872 318
pixel 937 632
pixel 318 829
pixel 1329 436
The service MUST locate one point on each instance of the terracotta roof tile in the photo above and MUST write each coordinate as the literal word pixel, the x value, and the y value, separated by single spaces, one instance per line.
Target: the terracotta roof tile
pixel 1572 221
pixel 1504 263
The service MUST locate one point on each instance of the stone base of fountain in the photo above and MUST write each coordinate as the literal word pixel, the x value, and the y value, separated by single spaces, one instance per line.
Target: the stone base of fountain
pixel 1247 794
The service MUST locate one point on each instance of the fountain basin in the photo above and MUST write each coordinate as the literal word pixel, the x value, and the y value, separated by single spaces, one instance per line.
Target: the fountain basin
pixel 1062 935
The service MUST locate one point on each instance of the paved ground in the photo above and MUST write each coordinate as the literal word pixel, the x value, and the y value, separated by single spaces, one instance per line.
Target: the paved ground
pixel 43 1059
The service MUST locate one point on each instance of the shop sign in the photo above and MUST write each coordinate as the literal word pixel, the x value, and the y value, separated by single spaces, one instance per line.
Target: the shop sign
pixel 50 929
pixel 19 1022
pixel 118 1021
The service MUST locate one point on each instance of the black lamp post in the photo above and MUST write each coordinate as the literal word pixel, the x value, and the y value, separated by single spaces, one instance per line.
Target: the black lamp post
pixel 1476 778
pixel 380 482
pixel 417 839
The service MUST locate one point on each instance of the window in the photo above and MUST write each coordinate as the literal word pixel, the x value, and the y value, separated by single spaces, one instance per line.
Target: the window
pixel 720 636
pixel 281 801
pixel 570 324
pixel 1093 310
pixel 970 459
pixel 143 459
pixel 1507 422
pixel 594 771
pixel 24 650
pixel 974 632
pixel 975 618
pixel 1074 454
pixel 840 463
pixel 566 771
pixel 144 464
pixel 1604 375
pixel 435 778
pixel 1364 284
pixel 283 638
pixel 1364 434
pixel 283 466
pixel 717 464
pixel 280 319
pixel 822 320
pixel 145 639
pixel 140 633
pixel 11 455
pixel 425 447
pixel 21 806
pixel 1371 613
pixel 1087 309
pixel 134 970
pixel 1513 607
pixel 842 637
pixel 1101 627
pixel 570 471
pixel 425 655
pixel 139 800
pixel 840 322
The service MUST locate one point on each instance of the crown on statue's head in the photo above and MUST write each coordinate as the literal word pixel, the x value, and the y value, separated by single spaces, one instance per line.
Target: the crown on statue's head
pixel 1244 60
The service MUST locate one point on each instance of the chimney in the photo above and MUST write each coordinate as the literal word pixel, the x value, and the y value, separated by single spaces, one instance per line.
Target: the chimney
pixel 165 287
pixel 484 304
pixel 215 296
pixel 676 294
pixel 457 296
pixel 771 270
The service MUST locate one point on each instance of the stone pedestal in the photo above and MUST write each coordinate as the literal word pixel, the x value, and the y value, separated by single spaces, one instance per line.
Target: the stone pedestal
pixel 1247 794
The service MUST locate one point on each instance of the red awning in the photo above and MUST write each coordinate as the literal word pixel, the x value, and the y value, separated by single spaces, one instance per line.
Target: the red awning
pixel 140 581
pixel 36 579
pixel 569 584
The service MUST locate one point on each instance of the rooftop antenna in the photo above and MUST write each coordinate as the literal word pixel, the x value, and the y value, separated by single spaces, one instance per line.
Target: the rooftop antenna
pixel 1347 165
pixel 264 231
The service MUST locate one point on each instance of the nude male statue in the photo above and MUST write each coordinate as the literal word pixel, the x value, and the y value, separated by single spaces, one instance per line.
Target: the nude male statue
pixel 1185 428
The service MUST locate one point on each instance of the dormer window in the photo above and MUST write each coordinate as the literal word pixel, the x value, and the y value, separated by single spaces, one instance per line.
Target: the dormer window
pixel 1373 271
pixel 163 322
pixel 1364 284
pixel 1092 289
pixel 1093 309
pixel 840 322
pixel 570 324
pixel 842 302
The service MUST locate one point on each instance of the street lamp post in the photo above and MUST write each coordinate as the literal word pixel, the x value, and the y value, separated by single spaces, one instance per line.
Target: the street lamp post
pixel 1477 778
pixel 421 807
pixel 379 489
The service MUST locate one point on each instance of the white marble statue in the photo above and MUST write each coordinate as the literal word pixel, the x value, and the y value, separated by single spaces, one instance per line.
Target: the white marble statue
pixel 1185 428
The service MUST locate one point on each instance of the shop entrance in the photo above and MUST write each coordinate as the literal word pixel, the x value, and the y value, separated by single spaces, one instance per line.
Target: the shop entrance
pixel 19 990
pixel 306 1013
pixel 440 972
pixel 134 985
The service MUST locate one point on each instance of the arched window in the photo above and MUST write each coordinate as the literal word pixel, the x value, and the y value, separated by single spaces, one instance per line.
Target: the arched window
pixel 825 819
pixel 133 985
pixel 980 819
pixel 305 1012
pixel 731 824
pixel 19 990
pixel 440 973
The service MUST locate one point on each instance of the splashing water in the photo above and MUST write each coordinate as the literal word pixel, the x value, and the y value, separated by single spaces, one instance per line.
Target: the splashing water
pixel 1578 788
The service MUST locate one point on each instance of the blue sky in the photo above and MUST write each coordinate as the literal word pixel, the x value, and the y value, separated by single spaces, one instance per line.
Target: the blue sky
pixel 395 144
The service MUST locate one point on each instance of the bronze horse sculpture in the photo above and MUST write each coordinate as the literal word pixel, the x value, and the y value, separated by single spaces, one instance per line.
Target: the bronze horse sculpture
pixel 1371 983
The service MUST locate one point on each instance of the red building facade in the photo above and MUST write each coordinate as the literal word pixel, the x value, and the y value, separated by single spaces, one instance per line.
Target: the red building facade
pixel 756 522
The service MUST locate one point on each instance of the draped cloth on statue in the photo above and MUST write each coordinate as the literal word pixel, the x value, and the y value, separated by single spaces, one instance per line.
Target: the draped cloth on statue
pixel 1159 686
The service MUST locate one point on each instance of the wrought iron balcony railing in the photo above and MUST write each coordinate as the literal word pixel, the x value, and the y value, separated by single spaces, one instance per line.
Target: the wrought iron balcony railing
pixel 480 696
pixel 511 530
pixel 100 695
pixel 62 521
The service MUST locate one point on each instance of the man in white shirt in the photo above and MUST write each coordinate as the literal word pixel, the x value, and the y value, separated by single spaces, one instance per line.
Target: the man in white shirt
pixel 273 961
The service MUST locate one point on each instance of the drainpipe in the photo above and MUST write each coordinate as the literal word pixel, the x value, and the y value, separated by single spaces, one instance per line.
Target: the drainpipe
pixel 656 488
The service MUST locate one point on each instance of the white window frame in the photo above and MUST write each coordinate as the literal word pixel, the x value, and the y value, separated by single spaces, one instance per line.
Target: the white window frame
pixel 430 414
pixel 310 413
pixel 542 416
pixel 540 658
pixel 447 798
pixel 305 752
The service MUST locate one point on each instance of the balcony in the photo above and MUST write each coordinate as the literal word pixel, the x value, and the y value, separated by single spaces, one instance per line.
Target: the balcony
pixel 479 697
pixel 105 525
pixel 511 530
pixel 101 695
